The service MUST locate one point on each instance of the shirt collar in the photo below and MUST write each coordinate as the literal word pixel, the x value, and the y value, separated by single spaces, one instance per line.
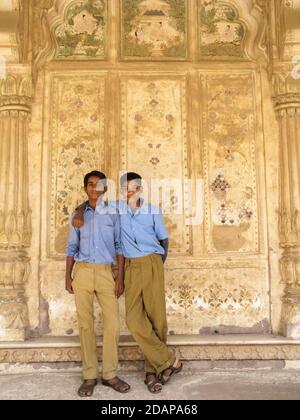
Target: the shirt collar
pixel 143 209
pixel 102 205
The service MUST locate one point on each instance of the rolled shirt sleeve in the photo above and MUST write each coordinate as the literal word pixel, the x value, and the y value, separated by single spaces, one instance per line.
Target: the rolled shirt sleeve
pixel 73 242
pixel 118 244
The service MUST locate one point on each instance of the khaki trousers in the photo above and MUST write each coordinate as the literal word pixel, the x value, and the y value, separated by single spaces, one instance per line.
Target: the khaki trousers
pixel 91 280
pixel 146 310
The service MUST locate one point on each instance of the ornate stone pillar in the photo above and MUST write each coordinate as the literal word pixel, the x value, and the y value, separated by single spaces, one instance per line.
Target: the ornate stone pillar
pixel 15 216
pixel 287 106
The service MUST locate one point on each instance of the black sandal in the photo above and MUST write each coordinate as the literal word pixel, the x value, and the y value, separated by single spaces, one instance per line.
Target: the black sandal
pixel 165 378
pixel 86 389
pixel 118 385
pixel 154 386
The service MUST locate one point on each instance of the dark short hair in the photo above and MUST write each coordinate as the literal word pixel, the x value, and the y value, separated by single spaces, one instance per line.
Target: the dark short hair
pixel 130 176
pixel 97 174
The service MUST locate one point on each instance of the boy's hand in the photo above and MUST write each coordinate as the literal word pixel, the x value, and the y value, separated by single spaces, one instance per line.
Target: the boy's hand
pixel 78 219
pixel 119 285
pixel 69 287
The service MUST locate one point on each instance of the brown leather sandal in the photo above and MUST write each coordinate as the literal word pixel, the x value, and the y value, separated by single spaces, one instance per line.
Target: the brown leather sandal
pixel 118 385
pixel 154 386
pixel 86 389
pixel 164 378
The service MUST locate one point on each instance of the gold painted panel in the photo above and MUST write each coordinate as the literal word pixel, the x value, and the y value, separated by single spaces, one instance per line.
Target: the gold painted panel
pixel 221 33
pixel 154 29
pixel 82 34
pixel 220 299
pixel 229 124
pixel 77 146
pixel 154 142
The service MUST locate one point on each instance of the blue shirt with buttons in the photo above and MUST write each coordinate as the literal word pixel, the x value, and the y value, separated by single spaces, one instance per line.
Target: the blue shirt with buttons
pixel 98 241
pixel 141 230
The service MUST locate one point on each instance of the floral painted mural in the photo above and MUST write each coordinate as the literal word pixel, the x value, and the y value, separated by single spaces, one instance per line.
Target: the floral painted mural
pixel 221 32
pixel 229 130
pixel 82 34
pixel 154 143
pixel 77 138
pixel 154 29
pixel 219 301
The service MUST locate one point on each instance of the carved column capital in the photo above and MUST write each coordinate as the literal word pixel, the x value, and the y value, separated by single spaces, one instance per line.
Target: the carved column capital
pixel 286 88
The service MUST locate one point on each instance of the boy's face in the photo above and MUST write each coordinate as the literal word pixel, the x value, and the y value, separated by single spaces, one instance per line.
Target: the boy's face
pixel 95 188
pixel 132 190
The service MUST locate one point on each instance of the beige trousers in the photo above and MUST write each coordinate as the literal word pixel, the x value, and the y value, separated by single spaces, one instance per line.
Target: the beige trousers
pixel 146 310
pixel 91 280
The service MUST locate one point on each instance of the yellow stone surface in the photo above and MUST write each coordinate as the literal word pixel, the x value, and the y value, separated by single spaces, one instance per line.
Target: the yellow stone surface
pixel 205 112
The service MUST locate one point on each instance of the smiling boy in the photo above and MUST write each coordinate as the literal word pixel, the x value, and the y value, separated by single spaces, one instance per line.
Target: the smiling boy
pixel 145 246
pixel 95 247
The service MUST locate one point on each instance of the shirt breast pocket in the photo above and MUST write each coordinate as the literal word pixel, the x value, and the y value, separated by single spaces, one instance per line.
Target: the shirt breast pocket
pixel 107 225
pixel 146 221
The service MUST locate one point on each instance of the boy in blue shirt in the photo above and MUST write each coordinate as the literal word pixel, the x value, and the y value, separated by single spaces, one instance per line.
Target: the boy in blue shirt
pixel 145 246
pixel 95 247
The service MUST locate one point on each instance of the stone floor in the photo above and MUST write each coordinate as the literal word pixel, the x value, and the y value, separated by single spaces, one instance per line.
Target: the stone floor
pixel 208 385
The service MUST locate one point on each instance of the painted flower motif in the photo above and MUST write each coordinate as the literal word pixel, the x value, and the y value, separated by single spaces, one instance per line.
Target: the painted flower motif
pixel 174 200
pixel 170 118
pixel 78 161
pixel 220 184
pixel 154 161
pixel 62 118
pixel 154 102
pixel 94 117
pixel 138 117
pixel 152 86
pixel 78 103
pixel 229 156
pixel 78 89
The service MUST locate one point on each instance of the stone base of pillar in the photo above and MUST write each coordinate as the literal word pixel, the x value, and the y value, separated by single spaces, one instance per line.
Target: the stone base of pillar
pixel 14 324
pixel 291 319
pixel 290 271
pixel 14 270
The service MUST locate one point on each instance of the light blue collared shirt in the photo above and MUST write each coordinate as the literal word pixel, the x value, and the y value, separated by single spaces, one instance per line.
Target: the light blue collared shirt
pixel 99 240
pixel 142 230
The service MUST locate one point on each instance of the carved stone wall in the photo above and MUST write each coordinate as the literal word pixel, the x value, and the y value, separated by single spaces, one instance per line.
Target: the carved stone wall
pixel 174 90
pixel 161 104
